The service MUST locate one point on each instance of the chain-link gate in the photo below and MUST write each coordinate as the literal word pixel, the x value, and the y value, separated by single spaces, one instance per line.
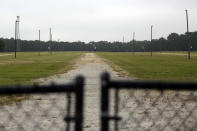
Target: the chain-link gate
pixel 147 105
pixel 43 107
pixel 141 105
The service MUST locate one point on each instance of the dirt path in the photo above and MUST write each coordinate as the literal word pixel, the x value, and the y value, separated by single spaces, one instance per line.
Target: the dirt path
pixel 91 67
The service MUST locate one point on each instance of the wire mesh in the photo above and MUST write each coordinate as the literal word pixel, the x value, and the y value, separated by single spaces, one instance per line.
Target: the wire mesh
pixel 37 112
pixel 140 105
pixel 155 110
pixel 42 107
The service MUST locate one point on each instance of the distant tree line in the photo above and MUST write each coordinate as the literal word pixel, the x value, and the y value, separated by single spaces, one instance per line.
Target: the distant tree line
pixel 174 42
pixel 2 44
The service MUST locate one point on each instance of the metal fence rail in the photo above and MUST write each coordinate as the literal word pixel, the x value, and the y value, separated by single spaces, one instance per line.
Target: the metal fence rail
pixel 76 88
pixel 136 122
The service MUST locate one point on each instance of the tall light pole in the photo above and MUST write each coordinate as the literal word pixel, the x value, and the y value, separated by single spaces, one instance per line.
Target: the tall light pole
pixel 16 33
pixel 133 42
pixel 50 41
pixel 123 39
pixel 15 39
pixel 39 42
pixel 188 37
pixel 151 40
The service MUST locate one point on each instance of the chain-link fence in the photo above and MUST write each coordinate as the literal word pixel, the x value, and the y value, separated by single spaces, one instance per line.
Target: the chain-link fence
pixel 42 108
pixel 130 105
pixel 125 105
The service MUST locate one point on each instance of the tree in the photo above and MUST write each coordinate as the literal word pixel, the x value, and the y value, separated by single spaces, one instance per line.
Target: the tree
pixel 174 42
pixel 2 44
pixel 173 36
pixel 173 39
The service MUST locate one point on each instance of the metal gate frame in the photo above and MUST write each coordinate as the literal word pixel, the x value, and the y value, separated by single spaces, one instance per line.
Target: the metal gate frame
pixel 107 84
pixel 76 87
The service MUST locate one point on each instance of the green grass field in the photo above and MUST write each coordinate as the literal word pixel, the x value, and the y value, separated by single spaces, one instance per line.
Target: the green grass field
pixel 165 66
pixel 29 66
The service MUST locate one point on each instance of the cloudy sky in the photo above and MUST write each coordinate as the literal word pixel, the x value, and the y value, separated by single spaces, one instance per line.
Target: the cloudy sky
pixel 94 20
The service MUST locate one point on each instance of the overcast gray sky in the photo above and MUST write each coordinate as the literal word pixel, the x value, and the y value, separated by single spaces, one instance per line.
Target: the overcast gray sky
pixel 94 20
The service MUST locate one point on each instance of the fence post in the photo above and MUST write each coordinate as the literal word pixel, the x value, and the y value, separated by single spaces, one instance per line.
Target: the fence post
pixel 104 121
pixel 79 103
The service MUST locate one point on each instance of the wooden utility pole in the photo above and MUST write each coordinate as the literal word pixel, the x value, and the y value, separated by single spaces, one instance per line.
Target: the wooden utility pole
pixel 188 37
pixel 151 40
